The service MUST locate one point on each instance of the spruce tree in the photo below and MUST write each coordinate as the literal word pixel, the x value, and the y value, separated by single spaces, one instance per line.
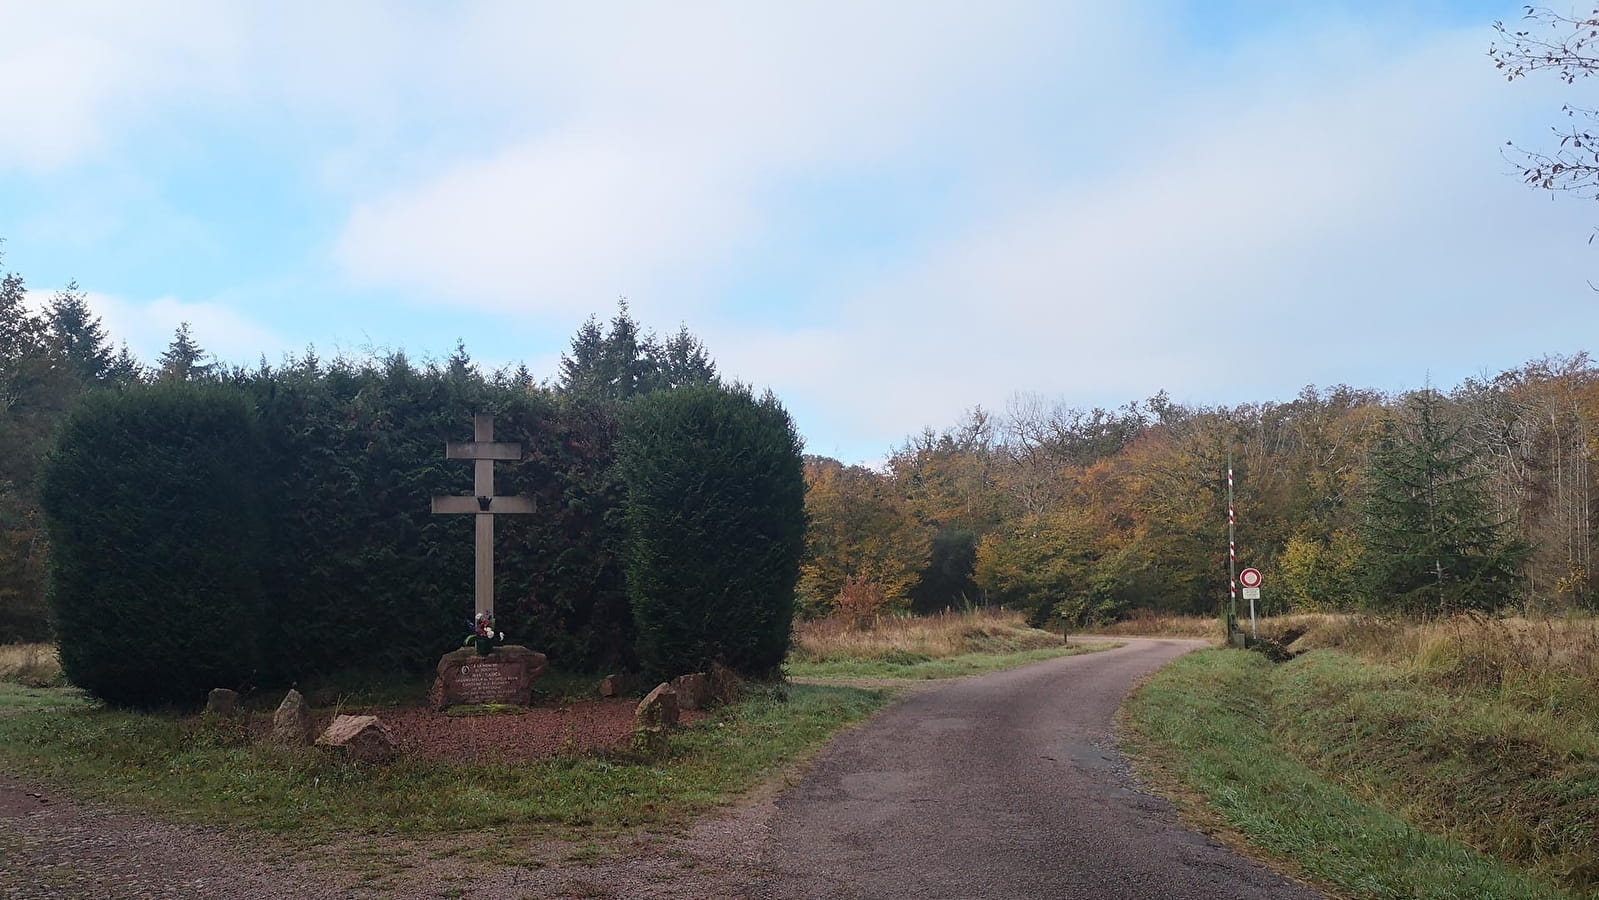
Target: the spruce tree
pixel 78 336
pixel 625 361
pixel 1432 542
pixel 181 360
pixel 683 360
pixel 36 387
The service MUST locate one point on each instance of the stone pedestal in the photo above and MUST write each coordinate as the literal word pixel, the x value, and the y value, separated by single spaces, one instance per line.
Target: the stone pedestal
pixel 505 675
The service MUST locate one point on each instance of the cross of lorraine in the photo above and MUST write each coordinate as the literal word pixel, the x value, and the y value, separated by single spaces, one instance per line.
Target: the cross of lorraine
pixel 483 450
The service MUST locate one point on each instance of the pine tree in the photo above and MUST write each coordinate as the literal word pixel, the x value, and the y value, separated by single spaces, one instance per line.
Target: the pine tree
pixel 181 360
pixel 1432 543
pixel 125 368
pixel 683 360
pixel 78 336
pixel 36 387
pixel 625 361
pixel 580 371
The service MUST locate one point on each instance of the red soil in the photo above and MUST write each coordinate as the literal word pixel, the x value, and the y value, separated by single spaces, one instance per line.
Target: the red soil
pixel 581 726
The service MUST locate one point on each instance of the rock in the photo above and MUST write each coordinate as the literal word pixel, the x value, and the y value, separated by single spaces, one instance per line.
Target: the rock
pixel 658 709
pixel 726 685
pixel 656 715
pixel 613 686
pixel 361 739
pixel 221 702
pixel 291 724
pixel 504 675
pixel 693 691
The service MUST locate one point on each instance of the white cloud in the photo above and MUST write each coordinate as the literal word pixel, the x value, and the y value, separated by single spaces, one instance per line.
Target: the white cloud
pixel 74 74
pixel 1326 237
pixel 662 139
pixel 1131 205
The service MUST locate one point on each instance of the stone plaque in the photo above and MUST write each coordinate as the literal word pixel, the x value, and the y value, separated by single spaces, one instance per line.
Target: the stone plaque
pixel 505 675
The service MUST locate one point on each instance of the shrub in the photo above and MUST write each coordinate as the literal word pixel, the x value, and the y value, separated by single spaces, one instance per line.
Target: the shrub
pixel 715 528
pixel 154 527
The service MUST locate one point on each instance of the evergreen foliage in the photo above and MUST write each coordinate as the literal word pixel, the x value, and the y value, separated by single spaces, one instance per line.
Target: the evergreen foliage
pixel 40 357
pixel 355 453
pixel 153 509
pixel 181 360
pixel 78 337
pixel 949 580
pixel 716 528
pixel 1432 543
pixel 624 362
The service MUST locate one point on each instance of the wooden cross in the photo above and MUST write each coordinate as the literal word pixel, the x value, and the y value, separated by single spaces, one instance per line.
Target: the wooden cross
pixel 483 451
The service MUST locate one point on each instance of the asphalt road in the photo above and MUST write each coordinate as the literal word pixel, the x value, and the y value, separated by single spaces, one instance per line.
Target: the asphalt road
pixel 1002 786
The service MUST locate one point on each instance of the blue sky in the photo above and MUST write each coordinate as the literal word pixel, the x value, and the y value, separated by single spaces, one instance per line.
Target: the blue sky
pixel 886 212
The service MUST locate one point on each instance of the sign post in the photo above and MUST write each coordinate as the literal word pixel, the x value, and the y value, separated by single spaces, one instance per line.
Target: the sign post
pixel 1250 580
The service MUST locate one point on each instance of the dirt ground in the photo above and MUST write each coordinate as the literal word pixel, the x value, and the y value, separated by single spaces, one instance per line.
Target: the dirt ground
pixel 55 847
pixel 579 726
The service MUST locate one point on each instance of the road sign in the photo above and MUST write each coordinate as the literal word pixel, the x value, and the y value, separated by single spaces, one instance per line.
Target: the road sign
pixel 1249 578
pixel 1251 593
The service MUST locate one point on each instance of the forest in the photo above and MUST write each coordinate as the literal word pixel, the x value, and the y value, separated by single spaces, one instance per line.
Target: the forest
pixel 1476 497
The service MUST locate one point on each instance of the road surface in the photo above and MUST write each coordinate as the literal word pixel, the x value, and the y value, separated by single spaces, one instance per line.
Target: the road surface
pixel 1001 786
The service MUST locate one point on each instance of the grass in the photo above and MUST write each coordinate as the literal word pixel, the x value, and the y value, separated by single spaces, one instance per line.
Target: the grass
pixel 15 698
pixel 914 667
pixel 1148 623
pixel 34 665
pixel 946 645
pixel 1373 780
pixel 180 769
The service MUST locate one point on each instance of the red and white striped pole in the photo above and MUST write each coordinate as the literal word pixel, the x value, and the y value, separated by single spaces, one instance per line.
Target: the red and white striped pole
pixel 1232 547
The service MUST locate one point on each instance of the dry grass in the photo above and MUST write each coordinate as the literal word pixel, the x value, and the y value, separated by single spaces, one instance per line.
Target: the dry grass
pixel 919 637
pixel 1148 623
pixel 34 665
pixel 1548 665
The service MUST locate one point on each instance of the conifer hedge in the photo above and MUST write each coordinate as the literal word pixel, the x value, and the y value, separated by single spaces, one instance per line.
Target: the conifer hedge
pixel 275 526
pixel 716 528
pixel 154 514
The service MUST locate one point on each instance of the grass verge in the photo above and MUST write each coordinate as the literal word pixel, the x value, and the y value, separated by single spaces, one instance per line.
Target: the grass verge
pixel 913 666
pixel 1217 721
pixel 912 648
pixel 172 766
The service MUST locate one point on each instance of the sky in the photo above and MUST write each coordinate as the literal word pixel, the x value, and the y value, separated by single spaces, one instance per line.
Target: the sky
pixel 887 213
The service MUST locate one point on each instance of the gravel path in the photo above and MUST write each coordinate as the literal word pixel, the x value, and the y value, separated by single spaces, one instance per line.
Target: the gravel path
pixel 53 847
pixel 1003 786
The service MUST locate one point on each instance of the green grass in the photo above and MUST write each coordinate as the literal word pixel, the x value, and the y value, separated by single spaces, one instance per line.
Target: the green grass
pixel 180 769
pixel 916 666
pixel 1217 721
pixel 19 697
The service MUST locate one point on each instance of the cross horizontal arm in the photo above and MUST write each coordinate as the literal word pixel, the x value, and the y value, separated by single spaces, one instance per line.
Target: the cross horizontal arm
pixel 482 450
pixel 497 505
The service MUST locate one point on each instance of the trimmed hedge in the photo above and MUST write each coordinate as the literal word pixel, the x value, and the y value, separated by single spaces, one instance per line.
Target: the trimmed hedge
pixel 716 528
pixel 277 527
pixel 304 543
pixel 155 524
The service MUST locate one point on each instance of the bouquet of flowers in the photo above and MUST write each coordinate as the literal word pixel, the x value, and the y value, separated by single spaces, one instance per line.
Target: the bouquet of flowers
pixel 483 635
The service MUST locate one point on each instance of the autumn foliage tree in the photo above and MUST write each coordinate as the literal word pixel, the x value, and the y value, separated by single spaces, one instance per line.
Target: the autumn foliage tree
pixel 860 532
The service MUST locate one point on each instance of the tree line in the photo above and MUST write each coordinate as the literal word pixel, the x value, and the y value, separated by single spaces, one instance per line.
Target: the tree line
pixel 195 525
pixel 1429 501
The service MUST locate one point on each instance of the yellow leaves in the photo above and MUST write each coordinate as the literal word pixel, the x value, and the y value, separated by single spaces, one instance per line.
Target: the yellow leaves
pixel 860 529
